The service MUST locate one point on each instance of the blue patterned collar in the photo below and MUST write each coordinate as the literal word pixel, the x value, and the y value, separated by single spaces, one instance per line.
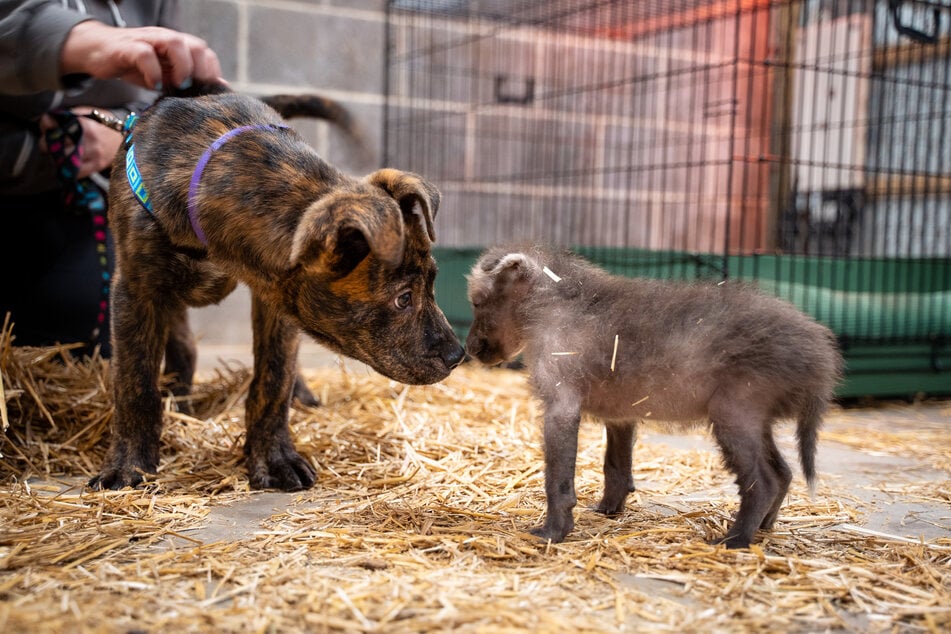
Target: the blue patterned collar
pixel 131 168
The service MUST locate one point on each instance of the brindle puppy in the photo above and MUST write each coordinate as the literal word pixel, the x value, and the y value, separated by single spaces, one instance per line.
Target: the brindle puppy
pixel 345 260
pixel 627 349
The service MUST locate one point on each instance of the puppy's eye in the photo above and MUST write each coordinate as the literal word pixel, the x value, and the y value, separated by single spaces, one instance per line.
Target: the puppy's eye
pixel 404 301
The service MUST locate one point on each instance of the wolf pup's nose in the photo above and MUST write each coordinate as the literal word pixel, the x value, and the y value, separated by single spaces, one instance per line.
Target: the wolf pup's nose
pixel 475 346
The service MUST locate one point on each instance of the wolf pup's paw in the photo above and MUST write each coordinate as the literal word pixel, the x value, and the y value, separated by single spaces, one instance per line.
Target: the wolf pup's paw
pixel 546 534
pixel 115 479
pixel 553 531
pixel 609 508
pixel 732 542
pixel 283 468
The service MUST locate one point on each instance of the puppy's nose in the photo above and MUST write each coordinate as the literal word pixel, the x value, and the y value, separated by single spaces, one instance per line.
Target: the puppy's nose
pixel 453 355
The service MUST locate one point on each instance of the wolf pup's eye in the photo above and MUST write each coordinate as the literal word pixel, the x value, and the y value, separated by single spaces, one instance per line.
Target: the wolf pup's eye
pixel 404 301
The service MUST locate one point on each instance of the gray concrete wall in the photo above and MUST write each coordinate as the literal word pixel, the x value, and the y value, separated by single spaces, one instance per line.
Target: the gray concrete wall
pixel 333 47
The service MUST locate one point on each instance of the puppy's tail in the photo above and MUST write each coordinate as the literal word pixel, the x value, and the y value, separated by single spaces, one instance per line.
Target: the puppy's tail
pixel 318 107
pixel 313 106
pixel 290 107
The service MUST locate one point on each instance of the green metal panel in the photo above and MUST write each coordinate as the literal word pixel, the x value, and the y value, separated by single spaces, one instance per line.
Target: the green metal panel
pixel 896 370
pixel 893 316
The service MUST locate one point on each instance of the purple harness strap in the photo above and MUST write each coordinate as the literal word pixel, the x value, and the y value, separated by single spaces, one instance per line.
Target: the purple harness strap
pixel 200 169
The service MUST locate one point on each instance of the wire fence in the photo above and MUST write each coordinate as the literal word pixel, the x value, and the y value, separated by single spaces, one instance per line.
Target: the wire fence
pixel 805 145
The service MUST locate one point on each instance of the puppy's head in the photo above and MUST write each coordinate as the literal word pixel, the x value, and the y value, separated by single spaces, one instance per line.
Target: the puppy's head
pixel 362 277
pixel 498 284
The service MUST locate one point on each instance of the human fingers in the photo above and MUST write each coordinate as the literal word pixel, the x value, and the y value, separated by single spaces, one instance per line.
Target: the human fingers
pixel 146 56
pixel 207 68
pixel 108 52
pixel 185 59
pixel 98 147
pixel 175 58
pixel 141 66
pixel 47 122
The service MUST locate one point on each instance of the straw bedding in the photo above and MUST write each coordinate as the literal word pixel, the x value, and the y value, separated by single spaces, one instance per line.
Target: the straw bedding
pixel 417 522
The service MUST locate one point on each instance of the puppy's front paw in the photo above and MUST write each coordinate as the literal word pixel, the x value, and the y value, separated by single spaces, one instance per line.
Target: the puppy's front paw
pixel 124 467
pixel 115 479
pixel 283 468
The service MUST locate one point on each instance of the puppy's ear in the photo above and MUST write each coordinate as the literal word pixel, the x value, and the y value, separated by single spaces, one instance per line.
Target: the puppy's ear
pixel 410 190
pixel 335 234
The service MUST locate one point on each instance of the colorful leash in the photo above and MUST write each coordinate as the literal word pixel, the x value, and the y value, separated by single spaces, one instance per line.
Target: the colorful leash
pixel 80 195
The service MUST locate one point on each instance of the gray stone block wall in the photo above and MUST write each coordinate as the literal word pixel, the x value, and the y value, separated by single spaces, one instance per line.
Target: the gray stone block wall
pixel 333 47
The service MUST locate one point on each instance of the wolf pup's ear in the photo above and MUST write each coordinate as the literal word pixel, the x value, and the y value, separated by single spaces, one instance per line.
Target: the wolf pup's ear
pixel 512 265
pixel 336 233
pixel 410 190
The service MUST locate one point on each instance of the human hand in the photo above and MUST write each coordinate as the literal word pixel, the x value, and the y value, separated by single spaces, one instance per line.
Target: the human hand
pixel 149 56
pixel 98 146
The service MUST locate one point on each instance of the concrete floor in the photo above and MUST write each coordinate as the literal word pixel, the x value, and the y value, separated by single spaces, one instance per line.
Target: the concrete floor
pixel 865 472
pixel 869 476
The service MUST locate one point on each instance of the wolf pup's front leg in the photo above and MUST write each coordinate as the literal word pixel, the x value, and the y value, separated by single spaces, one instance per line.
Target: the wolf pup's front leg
pixel 562 422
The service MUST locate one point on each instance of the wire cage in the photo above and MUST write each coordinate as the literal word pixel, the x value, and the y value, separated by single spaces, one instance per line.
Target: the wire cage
pixel 804 145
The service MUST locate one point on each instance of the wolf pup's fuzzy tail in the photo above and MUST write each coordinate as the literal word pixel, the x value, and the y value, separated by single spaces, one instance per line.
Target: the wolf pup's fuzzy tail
pixel 807 432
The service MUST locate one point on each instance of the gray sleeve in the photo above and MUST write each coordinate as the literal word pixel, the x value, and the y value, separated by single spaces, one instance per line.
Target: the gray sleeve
pixel 170 15
pixel 23 168
pixel 31 38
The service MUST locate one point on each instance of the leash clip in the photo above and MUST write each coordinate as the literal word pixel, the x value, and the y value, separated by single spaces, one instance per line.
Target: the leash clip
pixel 108 120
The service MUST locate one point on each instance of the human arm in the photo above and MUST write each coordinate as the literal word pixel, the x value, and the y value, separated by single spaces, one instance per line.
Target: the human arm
pixel 44 46
pixel 31 37
pixel 147 56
